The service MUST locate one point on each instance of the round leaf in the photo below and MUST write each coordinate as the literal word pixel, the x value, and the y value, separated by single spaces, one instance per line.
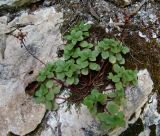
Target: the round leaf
pixel 94 66
pixel 49 84
pixel 112 59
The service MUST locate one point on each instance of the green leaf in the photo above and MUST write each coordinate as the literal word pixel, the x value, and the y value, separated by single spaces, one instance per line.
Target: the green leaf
pixel 39 93
pixel 60 76
pixel 105 54
pixel 69 73
pixel 49 84
pixel 56 89
pixel 70 80
pixel 112 59
pixel 40 99
pixel 68 37
pixel 42 91
pixel 76 80
pixel 119 86
pixel 113 108
pixel 89 103
pixel 115 50
pixel 76 53
pixel 86 34
pixel 102 98
pixel 55 106
pixel 122 61
pixel 116 68
pixel 111 95
pixel 49 105
pixel 77 34
pixel 84 44
pixel 125 50
pixel 84 64
pixel 110 76
pixel 41 78
pixel 93 55
pixel 94 66
pixel 69 47
pixel 115 78
pixel 86 27
pixel 50 75
pixel 119 57
pixel 84 71
pixel 50 95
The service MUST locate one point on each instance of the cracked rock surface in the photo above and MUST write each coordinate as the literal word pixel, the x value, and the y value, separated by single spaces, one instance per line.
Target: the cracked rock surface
pixel 19 113
pixel 81 123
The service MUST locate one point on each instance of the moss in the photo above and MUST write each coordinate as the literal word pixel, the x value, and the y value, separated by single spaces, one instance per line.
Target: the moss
pixel 145 55
pixel 23 3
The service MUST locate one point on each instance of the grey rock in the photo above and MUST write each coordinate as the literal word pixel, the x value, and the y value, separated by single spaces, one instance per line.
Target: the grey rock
pixel 81 123
pixel 150 115
pixel 19 113
pixel 16 3
pixel 10 6
pixel 122 3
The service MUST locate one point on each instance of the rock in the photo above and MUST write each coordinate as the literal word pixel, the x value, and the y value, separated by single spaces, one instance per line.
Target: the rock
pixel 48 3
pixel 71 123
pixel 14 5
pixel 122 3
pixel 19 113
pixel 136 97
pixel 150 115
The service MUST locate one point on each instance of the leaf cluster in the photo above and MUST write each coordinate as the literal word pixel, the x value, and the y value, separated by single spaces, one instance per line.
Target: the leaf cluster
pixel 122 77
pixel 109 120
pixel 67 71
pixel 80 57
pixel 46 93
pixel 112 50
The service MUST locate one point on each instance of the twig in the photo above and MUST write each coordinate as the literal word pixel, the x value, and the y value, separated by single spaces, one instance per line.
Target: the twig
pixel 32 54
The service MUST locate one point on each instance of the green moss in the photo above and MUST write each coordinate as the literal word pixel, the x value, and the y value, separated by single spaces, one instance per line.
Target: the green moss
pixel 22 3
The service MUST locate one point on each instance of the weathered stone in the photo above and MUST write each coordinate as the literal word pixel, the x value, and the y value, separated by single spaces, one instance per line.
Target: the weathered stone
pixel 10 6
pixel 81 123
pixel 150 115
pixel 122 3
pixel 16 3
pixel 18 112
pixel 135 99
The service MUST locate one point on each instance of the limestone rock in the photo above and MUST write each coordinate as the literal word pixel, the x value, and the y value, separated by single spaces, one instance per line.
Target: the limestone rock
pixel 18 112
pixel 122 3
pixel 136 97
pixel 16 3
pixel 150 115
pixel 71 123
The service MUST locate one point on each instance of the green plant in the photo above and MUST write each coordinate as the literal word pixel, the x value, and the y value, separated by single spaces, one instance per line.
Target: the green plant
pixel 46 93
pixel 110 119
pixel 67 71
pixel 84 58
pixel 112 50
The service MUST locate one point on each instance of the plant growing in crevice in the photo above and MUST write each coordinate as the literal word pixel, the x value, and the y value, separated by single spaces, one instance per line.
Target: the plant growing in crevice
pixel 86 70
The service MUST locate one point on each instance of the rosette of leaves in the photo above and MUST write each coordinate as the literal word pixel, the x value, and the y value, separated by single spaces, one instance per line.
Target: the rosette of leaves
pixel 46 94
pixel 67 71
pixel 77 34
pixel 112 50
pixel 93 99
pixel 86 58
pixel 110 119
pixel 46 73
pixel 122 77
